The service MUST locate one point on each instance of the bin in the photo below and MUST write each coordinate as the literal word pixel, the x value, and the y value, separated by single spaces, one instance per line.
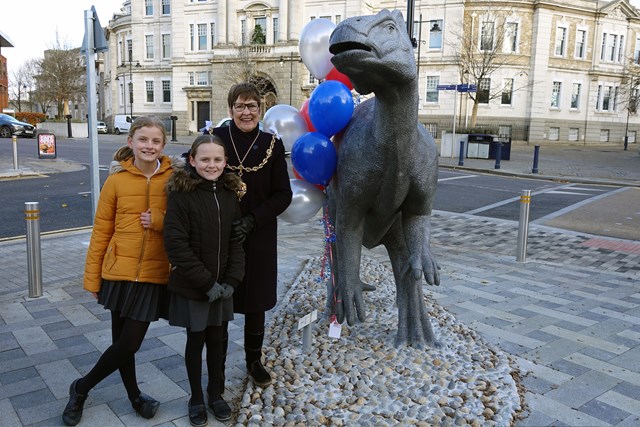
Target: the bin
pixel 479 146
pixel 505 152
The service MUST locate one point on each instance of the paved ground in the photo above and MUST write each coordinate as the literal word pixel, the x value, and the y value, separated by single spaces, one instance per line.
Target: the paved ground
pixel 569 316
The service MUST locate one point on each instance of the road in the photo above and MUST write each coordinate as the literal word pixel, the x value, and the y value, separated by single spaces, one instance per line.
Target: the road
pixel 65 199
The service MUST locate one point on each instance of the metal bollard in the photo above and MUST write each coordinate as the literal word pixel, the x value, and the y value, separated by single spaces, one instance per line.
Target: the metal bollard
pixel 461 158
pixel 34 258
pixel 536 155
pixel 523 226
pixel 498 155
pixel 14 142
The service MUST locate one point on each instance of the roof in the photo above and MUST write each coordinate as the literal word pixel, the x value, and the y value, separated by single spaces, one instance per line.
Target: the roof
pixel 4 40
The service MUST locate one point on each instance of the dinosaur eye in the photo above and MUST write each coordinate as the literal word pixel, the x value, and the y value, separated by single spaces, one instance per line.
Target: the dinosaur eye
pixel 391 27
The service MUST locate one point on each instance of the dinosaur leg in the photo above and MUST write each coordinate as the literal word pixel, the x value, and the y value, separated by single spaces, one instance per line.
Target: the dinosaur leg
pixel 349 228
pixel 414 325
pixel 417 232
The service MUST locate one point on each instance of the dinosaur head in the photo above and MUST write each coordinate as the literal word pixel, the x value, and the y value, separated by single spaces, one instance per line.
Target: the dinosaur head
pixel 374 51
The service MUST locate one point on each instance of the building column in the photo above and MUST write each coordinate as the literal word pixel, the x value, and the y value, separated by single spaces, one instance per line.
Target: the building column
pixel 221 23
pixel 295 20
pixel 232 16
pixel 283 20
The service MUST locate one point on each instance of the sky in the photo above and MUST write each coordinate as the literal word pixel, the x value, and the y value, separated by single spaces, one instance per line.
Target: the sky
pixel 31 25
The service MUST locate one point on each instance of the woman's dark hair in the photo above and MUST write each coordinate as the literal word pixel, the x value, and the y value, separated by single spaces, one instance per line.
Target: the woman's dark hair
pixel 126 152
pixel 245 90
pixel 204 139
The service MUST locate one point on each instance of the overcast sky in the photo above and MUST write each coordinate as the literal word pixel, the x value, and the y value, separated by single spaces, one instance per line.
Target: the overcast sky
pixel 32 25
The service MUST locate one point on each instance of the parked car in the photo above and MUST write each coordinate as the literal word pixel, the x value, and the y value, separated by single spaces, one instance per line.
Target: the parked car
pixel 102 127
pixel 226 122
pixel 9 125
pixel 122 123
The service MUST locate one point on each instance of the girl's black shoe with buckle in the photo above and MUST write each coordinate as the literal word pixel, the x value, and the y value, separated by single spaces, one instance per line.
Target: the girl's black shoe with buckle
pixel 198 414
pixel 145 406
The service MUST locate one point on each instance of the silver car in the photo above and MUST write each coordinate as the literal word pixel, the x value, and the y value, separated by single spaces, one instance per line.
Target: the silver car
pixel 102 127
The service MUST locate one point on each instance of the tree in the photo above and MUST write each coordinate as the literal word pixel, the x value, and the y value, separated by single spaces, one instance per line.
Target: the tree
pixel 245 67
pixel 61 77
pixel 22 82
pixel 484 50
pixel 258 37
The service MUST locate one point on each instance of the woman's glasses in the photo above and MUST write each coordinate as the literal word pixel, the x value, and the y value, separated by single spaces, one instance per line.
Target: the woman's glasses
pixel 239 107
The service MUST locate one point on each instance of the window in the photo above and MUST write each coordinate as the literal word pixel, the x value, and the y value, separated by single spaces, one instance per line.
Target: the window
pixel 604 135
pixel 575 96
pixel 191 37
pixel 435 34
pixel 631 136
pixel 507 92
pixel 554 134
pixel 621 49
pixel 202 36
pixel 511 37
pixel 275 29
pixel 149 90
pixel 260 35
pixel 148 7
pixel 148 43
pixel 166 91
pixel 555 95
pixel 606 98
pixel 574 134
pixel 486 35
pixel 561 41
pixel 243 31
pixel 636 52
pixel 212 34
pixel 338 19
pixel 130 50
pixel 432 89
pixel 166 46
pixel 199 78
pixel 312 80
pixel 581 43
pixel 612 49
pixel 166 7
pixel 482 95
pixel 616 91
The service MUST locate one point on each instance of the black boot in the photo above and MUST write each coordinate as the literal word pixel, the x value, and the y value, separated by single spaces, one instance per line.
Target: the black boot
pixel 72 413
pixel 145 406
pixel 253 353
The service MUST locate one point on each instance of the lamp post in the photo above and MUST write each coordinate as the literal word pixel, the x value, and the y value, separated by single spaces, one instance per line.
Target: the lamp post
pixel 633 103
pixel 124 99
pixel 290 75
pixel 130 84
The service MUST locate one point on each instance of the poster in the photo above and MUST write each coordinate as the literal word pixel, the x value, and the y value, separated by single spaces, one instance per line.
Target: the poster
pixel 46 146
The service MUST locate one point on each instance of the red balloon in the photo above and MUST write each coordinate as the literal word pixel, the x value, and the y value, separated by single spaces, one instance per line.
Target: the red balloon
pixel 304 111
pixel 342 78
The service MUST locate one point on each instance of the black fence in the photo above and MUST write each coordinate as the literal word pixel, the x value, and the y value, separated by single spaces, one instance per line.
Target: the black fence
pixel 514 131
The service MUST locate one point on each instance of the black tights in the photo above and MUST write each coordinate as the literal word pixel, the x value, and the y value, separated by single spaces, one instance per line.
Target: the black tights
pixel 127 336
pixel 212 336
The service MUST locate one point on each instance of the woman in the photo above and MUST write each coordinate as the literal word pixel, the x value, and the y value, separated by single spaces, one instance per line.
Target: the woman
pixel 258 158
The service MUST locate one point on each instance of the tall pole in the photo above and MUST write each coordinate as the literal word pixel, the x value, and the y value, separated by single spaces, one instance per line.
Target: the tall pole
pixel 410 9
pixel 626 127
pixel 291 79
pixel 130 89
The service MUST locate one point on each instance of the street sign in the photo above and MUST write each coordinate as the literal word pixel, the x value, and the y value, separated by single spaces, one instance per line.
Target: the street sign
pixel 446 87
pixel 465 87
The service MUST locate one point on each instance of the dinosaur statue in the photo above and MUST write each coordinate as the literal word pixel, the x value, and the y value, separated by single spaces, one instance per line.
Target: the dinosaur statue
pixel 386 176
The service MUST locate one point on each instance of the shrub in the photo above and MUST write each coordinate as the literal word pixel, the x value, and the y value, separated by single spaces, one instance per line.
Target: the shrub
pixel 30 117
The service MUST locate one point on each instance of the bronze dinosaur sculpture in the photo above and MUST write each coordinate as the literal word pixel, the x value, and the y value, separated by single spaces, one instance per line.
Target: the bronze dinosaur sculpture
pixel 386 176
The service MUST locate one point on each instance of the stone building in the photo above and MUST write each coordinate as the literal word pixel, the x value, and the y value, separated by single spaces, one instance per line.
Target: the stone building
pixel 554 71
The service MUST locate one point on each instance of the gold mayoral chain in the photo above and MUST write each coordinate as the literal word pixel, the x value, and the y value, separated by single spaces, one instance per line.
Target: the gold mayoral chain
pixel 241 168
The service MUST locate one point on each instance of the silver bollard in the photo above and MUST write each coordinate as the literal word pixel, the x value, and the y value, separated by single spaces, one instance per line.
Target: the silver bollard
pixel 523 226
pixel 34 258
pixel 14 142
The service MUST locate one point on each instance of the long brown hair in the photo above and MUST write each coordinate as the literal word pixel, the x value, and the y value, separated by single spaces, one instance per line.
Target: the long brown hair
pixel 126 152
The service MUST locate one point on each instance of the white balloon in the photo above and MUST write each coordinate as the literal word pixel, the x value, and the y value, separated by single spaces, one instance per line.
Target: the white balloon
pixel 306 202
pixel 286 122
pixel 314 47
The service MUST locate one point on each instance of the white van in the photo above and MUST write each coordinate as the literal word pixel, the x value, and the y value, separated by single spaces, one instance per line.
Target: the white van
pixel 122 123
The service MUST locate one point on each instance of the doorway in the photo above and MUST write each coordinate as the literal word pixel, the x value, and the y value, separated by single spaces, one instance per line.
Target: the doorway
pixel 204 113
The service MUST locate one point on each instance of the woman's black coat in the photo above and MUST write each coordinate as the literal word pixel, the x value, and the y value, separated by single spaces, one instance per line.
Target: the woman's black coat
pixel 268 195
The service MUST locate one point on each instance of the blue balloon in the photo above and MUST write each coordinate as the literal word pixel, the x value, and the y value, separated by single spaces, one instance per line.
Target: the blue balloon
pixel 330 107
pixel 314 157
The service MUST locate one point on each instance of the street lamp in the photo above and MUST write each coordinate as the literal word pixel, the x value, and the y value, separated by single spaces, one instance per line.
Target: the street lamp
pixel 130 84
pixel 290 75
pixel 124 99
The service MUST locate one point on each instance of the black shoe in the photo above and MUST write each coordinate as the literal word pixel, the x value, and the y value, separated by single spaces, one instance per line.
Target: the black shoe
pixel 259 374
pixel 220 409
pixel 72 413
pixel 197 414
pixel 145 406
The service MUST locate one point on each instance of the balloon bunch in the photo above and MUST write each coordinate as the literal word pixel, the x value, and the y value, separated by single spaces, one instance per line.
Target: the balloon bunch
pixel 307 133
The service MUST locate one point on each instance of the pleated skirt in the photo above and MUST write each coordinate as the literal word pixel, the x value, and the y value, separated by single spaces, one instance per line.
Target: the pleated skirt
pixel 196 315
pixel 145 302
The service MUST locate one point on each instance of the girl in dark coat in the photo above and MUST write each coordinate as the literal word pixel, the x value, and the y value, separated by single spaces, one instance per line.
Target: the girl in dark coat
pixel 258 158
pixel 206 267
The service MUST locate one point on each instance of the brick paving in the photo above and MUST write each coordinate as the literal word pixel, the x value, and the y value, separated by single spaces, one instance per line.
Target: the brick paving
pixel 569 318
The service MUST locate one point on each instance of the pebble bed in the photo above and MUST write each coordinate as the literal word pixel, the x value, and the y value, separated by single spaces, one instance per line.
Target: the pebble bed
pixel 362 379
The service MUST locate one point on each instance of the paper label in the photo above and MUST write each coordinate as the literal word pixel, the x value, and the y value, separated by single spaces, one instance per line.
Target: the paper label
pixel 335 329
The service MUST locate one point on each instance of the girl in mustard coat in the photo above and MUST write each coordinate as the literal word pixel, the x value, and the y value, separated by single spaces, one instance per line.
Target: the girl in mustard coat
pixel 127 268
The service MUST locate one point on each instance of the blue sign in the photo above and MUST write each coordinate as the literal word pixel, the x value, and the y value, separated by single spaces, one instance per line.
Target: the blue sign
pixel 446 87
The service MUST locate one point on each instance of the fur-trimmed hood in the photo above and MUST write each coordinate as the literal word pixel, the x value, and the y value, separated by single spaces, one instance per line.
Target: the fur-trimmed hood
pixel 186 179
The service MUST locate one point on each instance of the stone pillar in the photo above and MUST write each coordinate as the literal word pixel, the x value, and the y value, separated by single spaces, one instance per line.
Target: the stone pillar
pixel 232 16
pixel 222 23
pixel 295 20
pixel 283 21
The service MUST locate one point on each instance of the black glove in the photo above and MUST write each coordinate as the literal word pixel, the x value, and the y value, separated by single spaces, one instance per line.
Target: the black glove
pixel 215 292
pixel 228 291
pixel 242 227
